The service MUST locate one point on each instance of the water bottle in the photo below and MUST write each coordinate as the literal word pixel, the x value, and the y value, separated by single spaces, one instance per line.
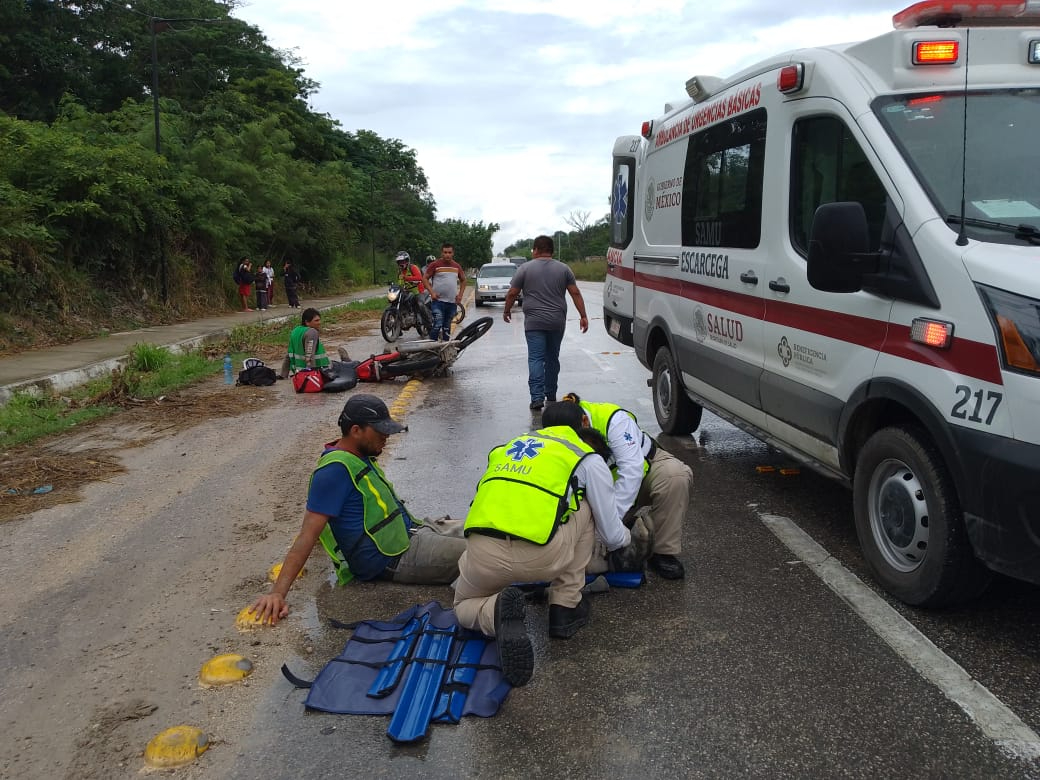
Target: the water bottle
pixel 228 379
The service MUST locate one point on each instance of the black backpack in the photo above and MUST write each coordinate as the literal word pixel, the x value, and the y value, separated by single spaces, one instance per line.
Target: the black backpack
pixel 261 376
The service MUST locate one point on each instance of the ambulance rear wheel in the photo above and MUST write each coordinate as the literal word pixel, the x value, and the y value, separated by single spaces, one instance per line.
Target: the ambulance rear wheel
pixel 676 413
pixel 909 521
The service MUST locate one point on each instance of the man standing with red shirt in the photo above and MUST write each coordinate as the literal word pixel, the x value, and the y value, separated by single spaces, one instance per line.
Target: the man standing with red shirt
pixel 446 282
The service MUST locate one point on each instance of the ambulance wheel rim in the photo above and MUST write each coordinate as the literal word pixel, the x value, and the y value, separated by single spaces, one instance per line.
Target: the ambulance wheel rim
pixel 664 392
pixel 898 513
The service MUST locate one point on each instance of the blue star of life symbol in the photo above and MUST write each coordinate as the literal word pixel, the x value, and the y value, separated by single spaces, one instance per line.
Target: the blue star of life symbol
pixel 628 436
pixel 620 199
pixel 524 448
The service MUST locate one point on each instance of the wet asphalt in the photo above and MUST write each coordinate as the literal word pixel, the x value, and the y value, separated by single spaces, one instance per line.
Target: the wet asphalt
pixel 750 667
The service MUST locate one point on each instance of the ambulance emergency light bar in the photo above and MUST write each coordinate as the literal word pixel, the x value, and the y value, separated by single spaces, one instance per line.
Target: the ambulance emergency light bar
pixel 969 13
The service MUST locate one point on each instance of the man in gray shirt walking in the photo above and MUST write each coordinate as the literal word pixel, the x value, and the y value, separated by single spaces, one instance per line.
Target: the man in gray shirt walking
pixel 543 282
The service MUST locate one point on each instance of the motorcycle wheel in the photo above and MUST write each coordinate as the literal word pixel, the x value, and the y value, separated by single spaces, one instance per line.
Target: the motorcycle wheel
pixel 416 365
pixel 390 325
pixel 424 322
pixel 473 331
pixel 460 313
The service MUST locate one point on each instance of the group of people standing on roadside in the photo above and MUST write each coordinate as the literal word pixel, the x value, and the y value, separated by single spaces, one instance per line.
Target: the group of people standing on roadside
pixel 262 281
pixel 587 491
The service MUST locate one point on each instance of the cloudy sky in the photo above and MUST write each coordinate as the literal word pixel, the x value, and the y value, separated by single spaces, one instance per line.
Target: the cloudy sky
pixel 513 105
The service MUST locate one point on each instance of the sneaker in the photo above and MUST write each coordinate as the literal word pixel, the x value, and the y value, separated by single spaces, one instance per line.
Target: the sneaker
pixel 668 566
pixel 514 645
pixel 564 622
pixel 537 404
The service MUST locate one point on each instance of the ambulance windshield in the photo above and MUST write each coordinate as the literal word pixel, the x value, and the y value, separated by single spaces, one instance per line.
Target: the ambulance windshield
pixel 1001 185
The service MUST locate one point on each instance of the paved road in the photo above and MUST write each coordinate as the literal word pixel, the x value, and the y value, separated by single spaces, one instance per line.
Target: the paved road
pixel 752 666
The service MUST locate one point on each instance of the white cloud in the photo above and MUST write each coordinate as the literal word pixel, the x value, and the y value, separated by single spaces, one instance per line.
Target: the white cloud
pixel 513 107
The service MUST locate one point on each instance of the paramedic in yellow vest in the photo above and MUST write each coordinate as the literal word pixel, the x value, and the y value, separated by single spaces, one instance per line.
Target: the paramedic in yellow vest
pixel 543 501
pixel 645 474
pixel 371 535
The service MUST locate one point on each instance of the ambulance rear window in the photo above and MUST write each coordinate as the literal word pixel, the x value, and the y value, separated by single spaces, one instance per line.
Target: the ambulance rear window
pixel 722 183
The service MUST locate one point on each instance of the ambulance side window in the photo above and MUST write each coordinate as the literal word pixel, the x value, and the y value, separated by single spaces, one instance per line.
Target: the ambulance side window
pixel 621 198
pixel 722 183
pixel 827 165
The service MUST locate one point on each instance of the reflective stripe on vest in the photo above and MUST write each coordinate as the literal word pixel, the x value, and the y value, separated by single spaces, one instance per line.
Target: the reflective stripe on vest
pixel 528 490
pixel 297 352
pixel 384 518
pixel 600 416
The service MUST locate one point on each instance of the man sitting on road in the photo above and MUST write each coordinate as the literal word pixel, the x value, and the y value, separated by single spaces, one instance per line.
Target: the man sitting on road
pixel 542 502
pixel 645 475
pixel 370 536
pixel 305 347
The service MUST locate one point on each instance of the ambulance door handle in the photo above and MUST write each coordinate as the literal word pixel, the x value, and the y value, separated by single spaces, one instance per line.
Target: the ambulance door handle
pixel 748 277
pixel 780 285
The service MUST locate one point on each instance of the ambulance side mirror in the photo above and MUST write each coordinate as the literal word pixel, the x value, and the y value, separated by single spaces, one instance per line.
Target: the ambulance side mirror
pixel 839 245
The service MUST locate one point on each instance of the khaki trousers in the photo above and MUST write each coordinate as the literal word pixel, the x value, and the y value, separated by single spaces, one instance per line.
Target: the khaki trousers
pixel 432 557
pixel 666 489
pixel 491 564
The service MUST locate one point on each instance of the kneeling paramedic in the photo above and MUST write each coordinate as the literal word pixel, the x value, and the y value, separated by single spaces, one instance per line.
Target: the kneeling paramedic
pixel 542 502
pixel 353 510
pixel 644 473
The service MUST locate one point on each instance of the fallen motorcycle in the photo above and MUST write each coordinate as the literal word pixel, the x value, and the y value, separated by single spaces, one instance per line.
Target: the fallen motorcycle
pixel 406 308
pixel 422 357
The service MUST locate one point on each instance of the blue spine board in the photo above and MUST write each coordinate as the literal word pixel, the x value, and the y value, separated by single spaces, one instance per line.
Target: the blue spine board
pixel 390 674
pixel 422 685
pixel 463 673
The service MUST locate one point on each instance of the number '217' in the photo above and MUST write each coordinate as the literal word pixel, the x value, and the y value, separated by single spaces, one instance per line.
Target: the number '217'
pixel 970 405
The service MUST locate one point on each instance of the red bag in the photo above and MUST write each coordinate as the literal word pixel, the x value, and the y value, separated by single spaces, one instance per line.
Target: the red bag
pixel 309 380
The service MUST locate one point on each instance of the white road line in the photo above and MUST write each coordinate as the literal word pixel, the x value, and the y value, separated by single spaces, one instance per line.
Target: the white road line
pixel 600 360
pixel 989 713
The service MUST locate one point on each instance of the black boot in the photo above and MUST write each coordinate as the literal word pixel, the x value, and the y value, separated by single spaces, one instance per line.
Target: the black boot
pixel 668 566
pixel 564 622
pixel 514 645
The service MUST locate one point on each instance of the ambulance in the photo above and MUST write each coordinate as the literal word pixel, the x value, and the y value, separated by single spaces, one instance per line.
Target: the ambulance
pixel 838 251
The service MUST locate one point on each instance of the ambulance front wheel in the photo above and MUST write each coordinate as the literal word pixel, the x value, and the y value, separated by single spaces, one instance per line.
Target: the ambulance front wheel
pixel 676 413
pixel 909 521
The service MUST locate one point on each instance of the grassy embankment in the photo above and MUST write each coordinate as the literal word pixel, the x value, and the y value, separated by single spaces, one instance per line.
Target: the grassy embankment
pixel 150 372
pixel 591 271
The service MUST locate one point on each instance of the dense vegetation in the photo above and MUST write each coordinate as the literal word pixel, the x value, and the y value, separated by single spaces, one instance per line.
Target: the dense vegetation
pixel 98 229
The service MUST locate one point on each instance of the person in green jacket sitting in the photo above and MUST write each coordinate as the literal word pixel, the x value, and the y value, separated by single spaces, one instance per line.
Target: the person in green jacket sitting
pixel 354 511
pixel 305 347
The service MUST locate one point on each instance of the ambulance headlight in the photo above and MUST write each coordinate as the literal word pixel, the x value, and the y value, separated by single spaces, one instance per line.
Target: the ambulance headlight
pixel 1017 322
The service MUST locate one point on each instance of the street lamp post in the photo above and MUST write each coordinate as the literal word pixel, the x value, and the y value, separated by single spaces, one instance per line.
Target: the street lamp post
pixel 159 236
pixel 154 22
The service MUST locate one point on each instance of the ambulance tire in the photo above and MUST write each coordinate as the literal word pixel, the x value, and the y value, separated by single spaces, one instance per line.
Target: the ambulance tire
pixel 676 413
pixel 909 521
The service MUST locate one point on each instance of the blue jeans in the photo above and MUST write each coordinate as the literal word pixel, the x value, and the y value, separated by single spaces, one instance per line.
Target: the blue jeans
pixel 543 362
pixel 443 314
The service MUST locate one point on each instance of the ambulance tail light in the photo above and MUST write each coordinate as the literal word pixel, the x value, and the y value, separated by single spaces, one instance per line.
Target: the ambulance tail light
pixel 647 130
pixel 936 52
pixel 790 78
pixel 1017 322
pixel 932 333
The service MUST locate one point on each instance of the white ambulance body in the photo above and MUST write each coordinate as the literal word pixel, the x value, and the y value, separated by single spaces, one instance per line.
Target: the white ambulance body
pixel 789 249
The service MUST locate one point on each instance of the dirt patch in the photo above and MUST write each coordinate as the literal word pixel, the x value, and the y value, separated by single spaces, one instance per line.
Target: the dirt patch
pixel 102 751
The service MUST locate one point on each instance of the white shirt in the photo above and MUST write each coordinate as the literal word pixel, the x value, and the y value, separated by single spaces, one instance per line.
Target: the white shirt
pixel 593 475
pixel 626 445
